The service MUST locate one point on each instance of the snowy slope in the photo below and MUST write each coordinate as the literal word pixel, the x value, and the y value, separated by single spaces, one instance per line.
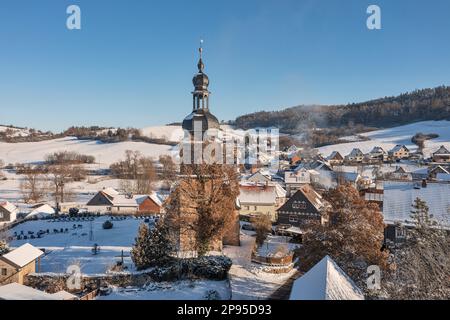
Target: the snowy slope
pixel 170 133
pixel 104 153
pixel 388 138
pixel 17 132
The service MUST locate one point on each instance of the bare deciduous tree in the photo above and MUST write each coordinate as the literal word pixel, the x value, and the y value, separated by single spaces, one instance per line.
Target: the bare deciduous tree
pixel 60 175
pixel 32 186
pixel 263 226
pixel 353 237
pixel 138 173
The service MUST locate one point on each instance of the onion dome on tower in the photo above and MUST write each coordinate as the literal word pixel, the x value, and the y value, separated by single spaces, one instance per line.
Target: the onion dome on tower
pixel 200 102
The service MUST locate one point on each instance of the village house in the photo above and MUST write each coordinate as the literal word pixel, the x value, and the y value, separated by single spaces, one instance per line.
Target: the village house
pixel 17 264
pixel 305 206
pixel 400 174
pixel 434 171
pixel 378 153
pixel 257 199
pixel 352 178
pixel 298 177
pixel 110 201
pixel 399 198
pixel 335 158
pixel 399 152
pixel 442 155
pixel 355 155
pixel 8 212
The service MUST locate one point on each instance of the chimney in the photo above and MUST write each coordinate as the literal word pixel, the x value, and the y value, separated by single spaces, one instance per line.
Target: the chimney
pixel 424 183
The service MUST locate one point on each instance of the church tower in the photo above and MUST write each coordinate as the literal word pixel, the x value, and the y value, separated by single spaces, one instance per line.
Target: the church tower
pixel 198 180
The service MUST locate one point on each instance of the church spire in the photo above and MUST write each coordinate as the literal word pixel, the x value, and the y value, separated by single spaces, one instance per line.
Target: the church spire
pixel 200 99
pixel 201 83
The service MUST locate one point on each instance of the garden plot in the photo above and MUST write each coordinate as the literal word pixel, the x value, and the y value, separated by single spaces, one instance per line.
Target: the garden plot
pixel 68 242
pixel 180 290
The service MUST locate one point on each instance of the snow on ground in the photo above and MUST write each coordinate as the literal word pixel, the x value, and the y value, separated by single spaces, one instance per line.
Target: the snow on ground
pixel 248 281
pixel 104 153
pixel 170 133
pixel 388 138
pixel 180 290
pixel 75 246
pixel 16 132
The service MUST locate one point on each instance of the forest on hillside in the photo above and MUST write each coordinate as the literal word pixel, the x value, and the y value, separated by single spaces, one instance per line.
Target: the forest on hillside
pixel 419 105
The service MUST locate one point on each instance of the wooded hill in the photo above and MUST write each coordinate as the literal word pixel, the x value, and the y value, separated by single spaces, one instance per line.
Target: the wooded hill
pixel 419 105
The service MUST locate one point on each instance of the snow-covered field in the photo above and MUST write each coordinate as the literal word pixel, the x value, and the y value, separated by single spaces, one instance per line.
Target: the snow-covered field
pixel 104 153
pixel 170 133
pixel 75 246
pixel 388 138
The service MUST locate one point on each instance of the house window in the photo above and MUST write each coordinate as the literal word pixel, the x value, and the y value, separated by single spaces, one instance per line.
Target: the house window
pixel 4 272
pixel 293 219
pixel 255 208
pixel 247 207
pixel 299 205
pixel 108 208
pixel 400 232
pixel 1 215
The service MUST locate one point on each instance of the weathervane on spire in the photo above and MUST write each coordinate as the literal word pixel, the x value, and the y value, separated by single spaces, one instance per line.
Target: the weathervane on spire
pixel 200 49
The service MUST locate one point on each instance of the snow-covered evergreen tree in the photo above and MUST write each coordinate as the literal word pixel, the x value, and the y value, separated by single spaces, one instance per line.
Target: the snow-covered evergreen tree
pixel 141 248
pixel 423 261
pixel 3 243
pixel 152 247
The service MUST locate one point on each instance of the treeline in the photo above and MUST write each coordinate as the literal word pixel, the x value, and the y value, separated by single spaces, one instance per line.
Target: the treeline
pixel 419 105
pixel 13 134
pixel 69 157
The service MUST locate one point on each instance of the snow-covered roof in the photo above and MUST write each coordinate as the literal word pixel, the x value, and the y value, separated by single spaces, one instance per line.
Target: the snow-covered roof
pixel 154 196
pixel 398 147
pixel 8 206
pixel 42 211
pixel 350 176
pixel 64 295
pixel 355 152
pixel 443 176
pixel 442 151
pixel 325 281
pixel 257 194
pixel 377 149
pixel 23 255
pixel 110 191
pixel 15 291
pixel 399 198
pixel 334 154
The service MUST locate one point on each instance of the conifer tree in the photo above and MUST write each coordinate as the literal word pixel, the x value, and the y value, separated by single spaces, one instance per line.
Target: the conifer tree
pixel 422 261
pixel 140 252
pixel 152 247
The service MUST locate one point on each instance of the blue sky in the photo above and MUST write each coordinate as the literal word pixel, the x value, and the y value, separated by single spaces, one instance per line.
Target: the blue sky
pixel 132 62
